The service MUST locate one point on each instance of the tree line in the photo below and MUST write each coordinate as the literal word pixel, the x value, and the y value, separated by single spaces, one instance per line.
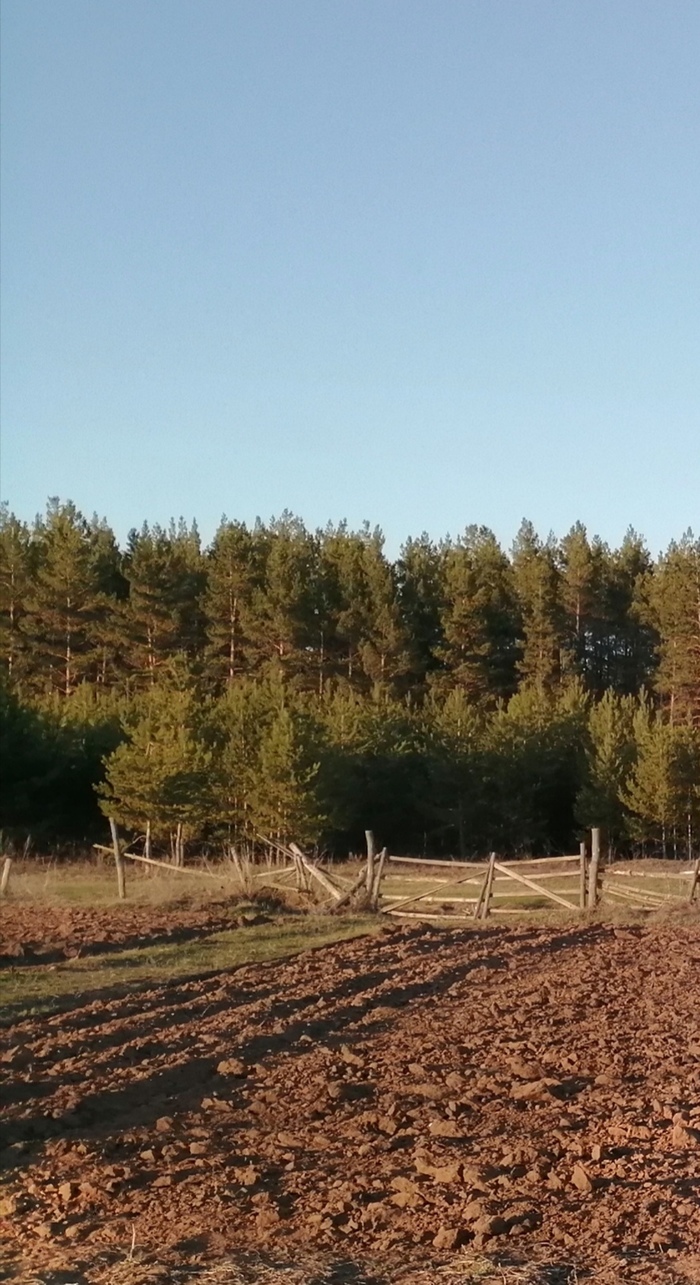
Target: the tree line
pixel 302 684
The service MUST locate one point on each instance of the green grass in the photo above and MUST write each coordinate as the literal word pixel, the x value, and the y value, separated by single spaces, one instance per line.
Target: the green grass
pixel 45 988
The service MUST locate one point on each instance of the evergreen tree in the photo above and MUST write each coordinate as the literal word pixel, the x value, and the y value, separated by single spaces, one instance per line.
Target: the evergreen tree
pixel 282 800
pixel 346 595
pixel 230 581
pixel 161 778
pixel 162 616
pixel 419 574
pixel 582 591
pixel 64 602
pixel 479 619
pixel 610 753
pixel 537 585
pixel 51 755
pixel 15 579
pixel 384 651
pixel 687 765
pixel 455 801
pixel 281 624
pixel 536 749
pixel 239 719
pixel 628 660
pixel 669 600
pixel 112 590
pixel 654 792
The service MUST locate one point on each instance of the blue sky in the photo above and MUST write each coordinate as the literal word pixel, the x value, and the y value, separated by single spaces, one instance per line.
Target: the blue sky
pixel 426 263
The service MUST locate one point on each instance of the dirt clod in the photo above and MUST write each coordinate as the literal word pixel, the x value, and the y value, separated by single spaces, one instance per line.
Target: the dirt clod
pixel 453 1093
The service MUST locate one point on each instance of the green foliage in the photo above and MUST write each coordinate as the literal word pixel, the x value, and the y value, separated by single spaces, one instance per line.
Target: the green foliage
pixel 266 744
pixel 669 600
pixel 161 775
pixel 662 792
pixel 304 685
pixel 162 615
pixel 538 588
pixel 16 559
pixel 610 755
pixel 282 802
pixel 230 579
pixel 479 619
pixel 66 600
pixel 51 753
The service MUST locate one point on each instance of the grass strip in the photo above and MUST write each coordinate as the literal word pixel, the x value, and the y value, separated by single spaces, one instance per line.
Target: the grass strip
pixel 46 988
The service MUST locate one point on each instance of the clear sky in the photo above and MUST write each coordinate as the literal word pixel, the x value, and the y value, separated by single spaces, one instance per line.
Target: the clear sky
pixel 426 262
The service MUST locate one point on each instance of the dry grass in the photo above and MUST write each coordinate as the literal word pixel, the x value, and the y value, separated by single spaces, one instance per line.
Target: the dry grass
pixel 93 883
pixel 308 1268
pixel 51 882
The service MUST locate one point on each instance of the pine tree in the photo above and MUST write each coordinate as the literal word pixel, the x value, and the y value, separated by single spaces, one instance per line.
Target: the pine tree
pixel 281 623
pixel 537 585
pixel 163 614
pixel 112 590
pixel 240 718
pixel 384 651
pixel 582 582
pixel 282 800
pixel 64 602
pixel 479 619
pixel 610 752
pixel 535 746
pixel 628 661
pixel 230 583
pixel 669 600
pixel 454 803
pixel 654 793
pixel 419 574
pixel 346 598
pixel 15 580
pixel 687 764
pixel 162 777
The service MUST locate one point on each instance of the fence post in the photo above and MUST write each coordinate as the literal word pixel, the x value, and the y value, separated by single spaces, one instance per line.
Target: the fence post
pixel 582 877
pixel 593 869
pixel 371 850
pixel 488 886
pixel 118 860
pixel 5 878
pixel 694 882
pixel 376 888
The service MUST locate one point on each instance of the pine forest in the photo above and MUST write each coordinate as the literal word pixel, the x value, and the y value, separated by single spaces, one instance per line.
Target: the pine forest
pixel 301 685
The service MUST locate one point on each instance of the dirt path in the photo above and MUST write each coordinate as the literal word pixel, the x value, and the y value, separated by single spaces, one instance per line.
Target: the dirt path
pixel 524 1093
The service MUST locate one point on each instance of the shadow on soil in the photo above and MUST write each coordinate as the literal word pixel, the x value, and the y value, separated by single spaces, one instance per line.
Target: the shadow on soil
pixel 180 1088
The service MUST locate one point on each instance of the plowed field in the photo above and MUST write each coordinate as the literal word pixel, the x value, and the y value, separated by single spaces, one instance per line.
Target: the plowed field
pixel 422 1097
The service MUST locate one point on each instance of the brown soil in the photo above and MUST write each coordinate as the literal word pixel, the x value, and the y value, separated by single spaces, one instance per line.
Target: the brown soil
pixel 422 1097
pixel 37 934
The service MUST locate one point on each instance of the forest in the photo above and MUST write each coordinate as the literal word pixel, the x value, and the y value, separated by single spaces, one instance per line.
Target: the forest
pixel 302 684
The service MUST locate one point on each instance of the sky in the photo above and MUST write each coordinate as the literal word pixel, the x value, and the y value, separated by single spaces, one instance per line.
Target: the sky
pixel 420 262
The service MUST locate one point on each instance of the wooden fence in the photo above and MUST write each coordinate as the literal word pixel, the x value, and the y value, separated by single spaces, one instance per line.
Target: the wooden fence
pixel 482 888
pixel 464 889
pixel 580 884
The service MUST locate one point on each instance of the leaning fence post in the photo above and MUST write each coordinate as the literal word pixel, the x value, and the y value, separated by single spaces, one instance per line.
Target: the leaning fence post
pixel 480 898
pixel 593 869
pixel 488 886
pixel 378 880
pixel 5 877
pixel 118 860
pixel 694 882
pixel 582 877
pixel 371 849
